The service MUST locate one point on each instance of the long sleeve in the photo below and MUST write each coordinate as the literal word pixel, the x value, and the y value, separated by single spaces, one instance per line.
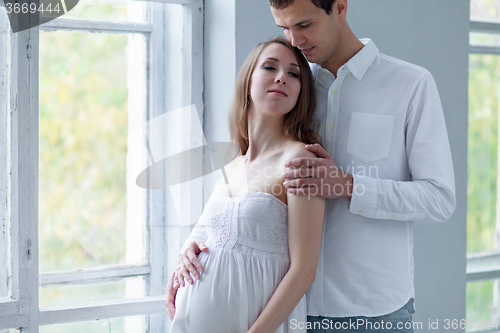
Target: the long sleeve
pixel 430 192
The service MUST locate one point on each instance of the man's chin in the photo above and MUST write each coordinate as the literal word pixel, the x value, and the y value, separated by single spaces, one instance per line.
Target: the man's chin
pixel 312 58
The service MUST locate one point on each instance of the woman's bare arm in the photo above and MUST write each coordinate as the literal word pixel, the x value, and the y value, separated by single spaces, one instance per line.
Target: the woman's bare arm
pixel 305 225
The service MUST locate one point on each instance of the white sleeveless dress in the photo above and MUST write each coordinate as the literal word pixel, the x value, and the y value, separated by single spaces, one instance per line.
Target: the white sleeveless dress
pixel 247 258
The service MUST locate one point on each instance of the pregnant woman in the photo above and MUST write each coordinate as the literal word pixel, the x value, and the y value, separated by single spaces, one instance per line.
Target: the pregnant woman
pixel 263 242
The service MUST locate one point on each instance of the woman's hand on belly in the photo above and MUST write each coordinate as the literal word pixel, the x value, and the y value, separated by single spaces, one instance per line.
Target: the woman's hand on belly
pixel 187 262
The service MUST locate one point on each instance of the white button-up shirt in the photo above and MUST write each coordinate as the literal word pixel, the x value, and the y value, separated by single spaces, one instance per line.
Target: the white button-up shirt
pixel 382 121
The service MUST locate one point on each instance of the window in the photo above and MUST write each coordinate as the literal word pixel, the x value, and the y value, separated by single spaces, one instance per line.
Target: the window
pixel 483 218
pixel 80 99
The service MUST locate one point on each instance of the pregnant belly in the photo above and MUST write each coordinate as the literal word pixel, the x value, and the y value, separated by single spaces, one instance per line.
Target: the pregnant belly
pixel 231 294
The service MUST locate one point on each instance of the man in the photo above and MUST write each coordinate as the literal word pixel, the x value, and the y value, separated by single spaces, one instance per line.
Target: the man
pixel 386 162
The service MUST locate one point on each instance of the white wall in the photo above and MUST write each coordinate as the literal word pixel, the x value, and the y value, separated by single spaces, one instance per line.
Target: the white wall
pixel 220 68
pixel 430 33
pixel 232 29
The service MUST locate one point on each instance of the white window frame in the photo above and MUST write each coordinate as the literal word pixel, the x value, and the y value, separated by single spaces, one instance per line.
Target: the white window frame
pixel 22 309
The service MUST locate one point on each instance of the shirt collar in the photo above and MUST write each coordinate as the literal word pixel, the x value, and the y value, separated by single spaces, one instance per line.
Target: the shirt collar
pixel 359 63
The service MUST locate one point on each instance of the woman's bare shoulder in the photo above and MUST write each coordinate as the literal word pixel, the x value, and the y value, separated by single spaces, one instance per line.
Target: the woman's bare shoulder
pixel 297 149
pixel 237 159
pixel 235 162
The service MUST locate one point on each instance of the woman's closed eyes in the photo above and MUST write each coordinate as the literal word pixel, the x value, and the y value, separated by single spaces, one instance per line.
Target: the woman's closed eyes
pixel 271 68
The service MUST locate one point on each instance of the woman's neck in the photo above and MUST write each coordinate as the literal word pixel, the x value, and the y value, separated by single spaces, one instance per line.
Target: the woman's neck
pixel 265 135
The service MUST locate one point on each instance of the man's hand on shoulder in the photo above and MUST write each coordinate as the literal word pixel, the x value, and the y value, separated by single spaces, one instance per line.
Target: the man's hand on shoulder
pixel 313 172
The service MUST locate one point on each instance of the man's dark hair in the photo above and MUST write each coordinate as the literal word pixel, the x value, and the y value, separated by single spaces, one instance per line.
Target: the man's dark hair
pixel 325 4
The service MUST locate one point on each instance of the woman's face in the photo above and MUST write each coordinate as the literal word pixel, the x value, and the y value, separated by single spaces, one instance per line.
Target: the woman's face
pixel 275 81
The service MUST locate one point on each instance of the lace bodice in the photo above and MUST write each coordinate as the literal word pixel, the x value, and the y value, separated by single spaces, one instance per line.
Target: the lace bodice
pixel 254 223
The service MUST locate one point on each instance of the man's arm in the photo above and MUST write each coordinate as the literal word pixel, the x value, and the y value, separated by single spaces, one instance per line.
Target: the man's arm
pixel 430 193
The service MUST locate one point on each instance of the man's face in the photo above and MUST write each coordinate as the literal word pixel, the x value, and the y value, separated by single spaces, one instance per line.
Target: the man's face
pixel 310 29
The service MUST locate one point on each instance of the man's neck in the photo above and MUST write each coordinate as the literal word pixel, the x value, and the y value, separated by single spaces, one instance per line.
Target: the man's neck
pixel 351 45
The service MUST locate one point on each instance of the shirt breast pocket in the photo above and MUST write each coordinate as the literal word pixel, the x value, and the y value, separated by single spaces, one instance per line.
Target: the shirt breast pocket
pixel 370 136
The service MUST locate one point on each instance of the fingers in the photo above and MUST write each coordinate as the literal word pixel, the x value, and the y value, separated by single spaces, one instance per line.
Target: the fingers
pixel 174 279
pixel 302 184
pixel 318 150
pixel 187 261
pixel 202 246
pixel 306 162
pixel 175 283
pixel 196 247
pixel 310 162
pixel 183 274
pixel 312 190
pixel 320 171
pixel 198 265
pixel 170 298
pixel 194 259
pixel 180 276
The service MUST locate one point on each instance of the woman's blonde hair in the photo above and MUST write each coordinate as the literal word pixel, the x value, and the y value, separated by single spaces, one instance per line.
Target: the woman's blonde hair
pixel 299 124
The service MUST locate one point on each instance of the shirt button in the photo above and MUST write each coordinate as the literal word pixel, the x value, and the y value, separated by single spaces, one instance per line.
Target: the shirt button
pixel 393 215
pixel 333 92
pixel 331 125
pixel 360 212
pixel 318 266
pixel 349 73
pixel 322 76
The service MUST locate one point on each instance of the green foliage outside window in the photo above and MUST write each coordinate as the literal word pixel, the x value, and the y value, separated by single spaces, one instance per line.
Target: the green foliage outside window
pixel 482 150
pixel 83 133
pixel 484 71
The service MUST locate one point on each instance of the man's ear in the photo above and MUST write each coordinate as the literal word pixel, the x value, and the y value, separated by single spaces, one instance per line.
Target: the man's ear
pixel 340 8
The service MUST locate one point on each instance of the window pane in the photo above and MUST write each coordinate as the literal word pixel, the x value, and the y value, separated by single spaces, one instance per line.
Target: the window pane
pixel 5 228
pixel 109 10
pixel 485 10
pixel 63 294
pixel 135 324
pixel 483 304
pixel 484 71
pixel 484 39
pixel 91 213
